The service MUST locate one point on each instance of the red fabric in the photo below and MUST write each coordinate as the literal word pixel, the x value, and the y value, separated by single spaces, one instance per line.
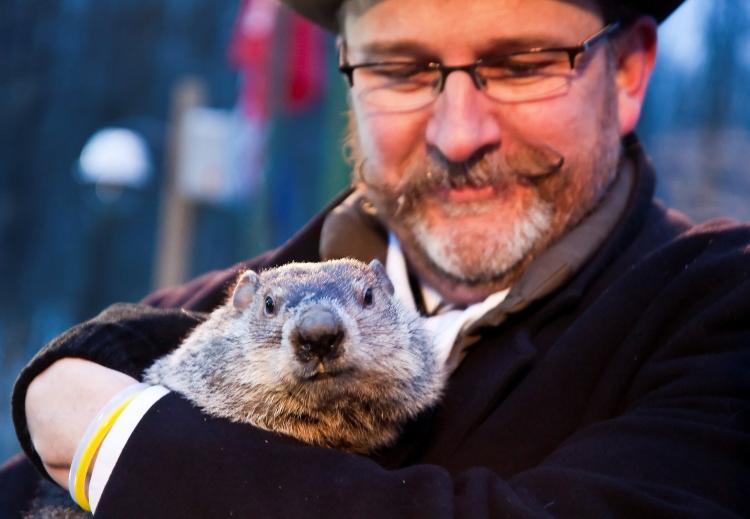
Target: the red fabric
pixel 250 52
pixel 306 65
pixel 303 68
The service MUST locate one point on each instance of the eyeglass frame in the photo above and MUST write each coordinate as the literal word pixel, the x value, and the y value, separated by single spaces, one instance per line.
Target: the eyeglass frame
pixel 573 52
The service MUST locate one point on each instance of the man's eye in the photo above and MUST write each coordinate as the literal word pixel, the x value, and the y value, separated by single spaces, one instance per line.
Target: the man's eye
pixel 525 66
pixel 513 69
pixel 399 71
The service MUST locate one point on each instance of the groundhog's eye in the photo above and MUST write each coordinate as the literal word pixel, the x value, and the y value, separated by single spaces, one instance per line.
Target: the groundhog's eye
pixel 367 297
pixel 270 306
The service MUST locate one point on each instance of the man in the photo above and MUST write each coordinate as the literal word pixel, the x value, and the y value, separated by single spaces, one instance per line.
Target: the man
pixel 600 361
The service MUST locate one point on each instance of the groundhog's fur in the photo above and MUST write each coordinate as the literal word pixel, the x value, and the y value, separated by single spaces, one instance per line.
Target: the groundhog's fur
pixel 249 364
pixel 243 364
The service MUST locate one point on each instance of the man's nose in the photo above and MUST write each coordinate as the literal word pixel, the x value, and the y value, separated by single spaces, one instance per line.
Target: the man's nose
pixel 462 122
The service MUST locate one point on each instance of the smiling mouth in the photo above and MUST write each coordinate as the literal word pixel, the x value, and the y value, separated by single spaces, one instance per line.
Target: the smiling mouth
pixel 462 195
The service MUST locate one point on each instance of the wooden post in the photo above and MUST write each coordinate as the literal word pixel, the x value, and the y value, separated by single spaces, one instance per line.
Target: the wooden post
pixel 176 213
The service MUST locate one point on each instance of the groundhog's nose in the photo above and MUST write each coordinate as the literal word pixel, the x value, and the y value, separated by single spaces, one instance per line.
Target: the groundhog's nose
pixel 319 334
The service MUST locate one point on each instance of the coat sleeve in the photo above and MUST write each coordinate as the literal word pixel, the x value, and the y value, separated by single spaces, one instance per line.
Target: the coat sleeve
pixel 678 444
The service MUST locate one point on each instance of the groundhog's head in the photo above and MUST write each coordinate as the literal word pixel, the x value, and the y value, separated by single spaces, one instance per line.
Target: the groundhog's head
pixel 314 303
pixel 317 321
pixel 322 339
pixel 322 352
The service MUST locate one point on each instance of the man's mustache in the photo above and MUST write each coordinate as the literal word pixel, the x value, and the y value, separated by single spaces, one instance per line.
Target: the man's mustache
pixel 510 162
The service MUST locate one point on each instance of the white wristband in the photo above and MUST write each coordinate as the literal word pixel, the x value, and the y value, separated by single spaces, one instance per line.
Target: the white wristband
pixel 74 478
pixel 114 443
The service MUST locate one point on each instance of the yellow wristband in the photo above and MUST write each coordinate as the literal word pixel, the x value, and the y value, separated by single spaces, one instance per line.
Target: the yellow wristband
pixel 93 439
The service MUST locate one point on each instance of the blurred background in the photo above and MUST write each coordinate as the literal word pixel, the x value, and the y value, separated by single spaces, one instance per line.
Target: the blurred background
pixel 143 143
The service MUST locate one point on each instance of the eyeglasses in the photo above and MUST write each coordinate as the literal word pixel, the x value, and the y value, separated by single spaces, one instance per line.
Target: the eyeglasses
pixel 527 75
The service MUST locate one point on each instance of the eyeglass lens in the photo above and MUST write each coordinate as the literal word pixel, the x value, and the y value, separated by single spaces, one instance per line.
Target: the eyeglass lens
pixel 408 86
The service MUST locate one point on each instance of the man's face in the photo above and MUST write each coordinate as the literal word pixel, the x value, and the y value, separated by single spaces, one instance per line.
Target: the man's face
pixel 469 184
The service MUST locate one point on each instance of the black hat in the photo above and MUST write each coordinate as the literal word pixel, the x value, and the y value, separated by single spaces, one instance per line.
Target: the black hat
pixel 323 12
pixel 660 10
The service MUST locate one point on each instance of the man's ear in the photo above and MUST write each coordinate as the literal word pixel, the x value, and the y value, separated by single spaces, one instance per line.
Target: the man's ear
pixel 635 55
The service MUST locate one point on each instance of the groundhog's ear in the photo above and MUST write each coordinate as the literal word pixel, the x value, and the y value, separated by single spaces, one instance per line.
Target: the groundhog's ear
pixel 382 276
pixel 245 289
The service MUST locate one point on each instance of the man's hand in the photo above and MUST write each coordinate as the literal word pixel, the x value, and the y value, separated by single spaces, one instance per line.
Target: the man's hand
pixel 60 404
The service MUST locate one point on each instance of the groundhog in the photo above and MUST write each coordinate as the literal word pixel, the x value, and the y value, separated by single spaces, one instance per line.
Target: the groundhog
pixel 322 352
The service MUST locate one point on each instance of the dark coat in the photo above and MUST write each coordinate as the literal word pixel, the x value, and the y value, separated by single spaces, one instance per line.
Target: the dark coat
pixel 625 393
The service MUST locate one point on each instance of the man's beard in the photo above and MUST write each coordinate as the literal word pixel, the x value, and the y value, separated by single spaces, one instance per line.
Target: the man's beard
pixel 476 243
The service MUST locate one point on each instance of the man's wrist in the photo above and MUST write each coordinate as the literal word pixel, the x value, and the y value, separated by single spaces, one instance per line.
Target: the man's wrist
pixel 61 402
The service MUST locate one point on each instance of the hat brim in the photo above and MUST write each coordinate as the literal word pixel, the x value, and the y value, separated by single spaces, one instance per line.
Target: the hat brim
pixel 659 10
pixel 324 12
